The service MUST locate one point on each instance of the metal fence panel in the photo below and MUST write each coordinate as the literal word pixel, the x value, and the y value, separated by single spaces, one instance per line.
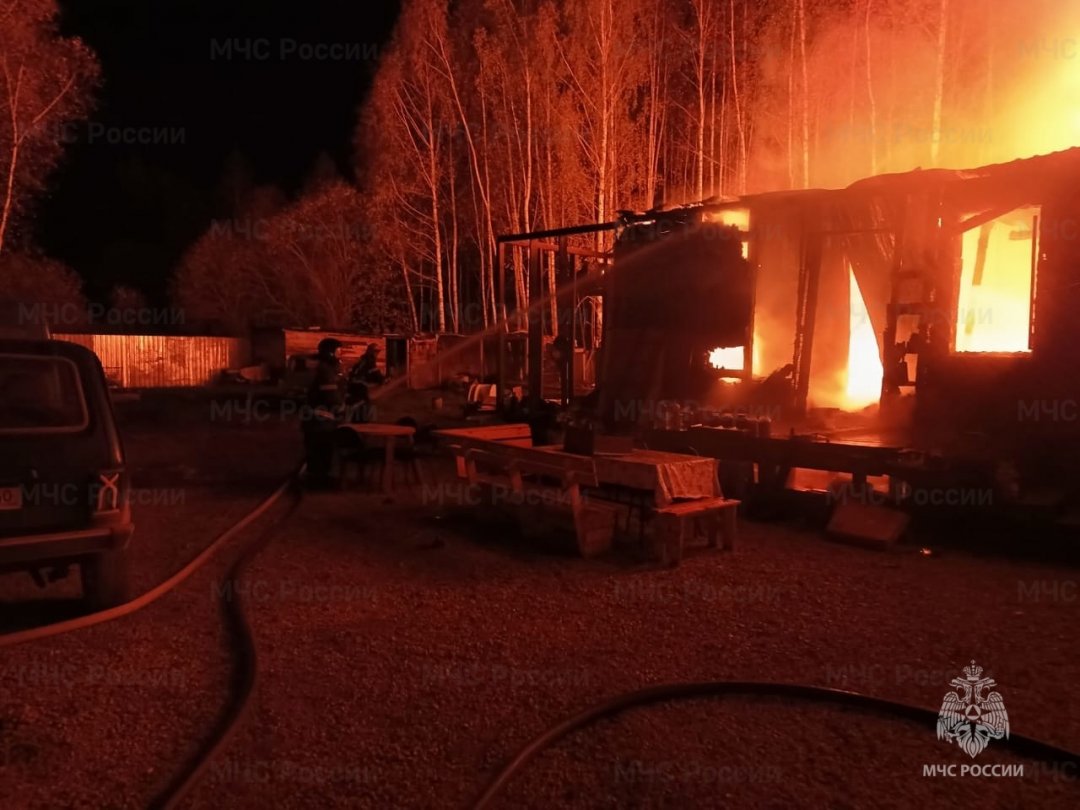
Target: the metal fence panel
pixel 165 361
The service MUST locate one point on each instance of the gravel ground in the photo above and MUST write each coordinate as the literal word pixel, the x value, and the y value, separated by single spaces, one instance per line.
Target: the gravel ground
pixel 101 718
pixel 406 654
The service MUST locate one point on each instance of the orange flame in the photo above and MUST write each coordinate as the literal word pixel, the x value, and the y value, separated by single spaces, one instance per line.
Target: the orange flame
pixel 864 370
pixel 995 285
pixel 727 359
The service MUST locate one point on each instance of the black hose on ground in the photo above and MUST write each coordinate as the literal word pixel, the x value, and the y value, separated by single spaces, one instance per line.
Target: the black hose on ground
pixel 158 591
pixel 245 676
pixel 1026 746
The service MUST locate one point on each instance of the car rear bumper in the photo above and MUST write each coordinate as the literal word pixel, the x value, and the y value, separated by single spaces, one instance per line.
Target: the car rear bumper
pixel 53 547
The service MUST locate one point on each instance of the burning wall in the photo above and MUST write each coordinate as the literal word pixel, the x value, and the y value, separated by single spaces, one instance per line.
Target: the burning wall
pixel 1009 79
pixel 681 287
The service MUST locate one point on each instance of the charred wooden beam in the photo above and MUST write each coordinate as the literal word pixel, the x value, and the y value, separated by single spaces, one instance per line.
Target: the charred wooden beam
pixel 535 236
pixel 810 274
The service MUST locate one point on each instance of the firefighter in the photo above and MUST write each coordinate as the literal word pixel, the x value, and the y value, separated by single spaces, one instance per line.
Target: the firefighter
pixel 562 350
pixel 364 374
pixel 320 419
pixel 366 371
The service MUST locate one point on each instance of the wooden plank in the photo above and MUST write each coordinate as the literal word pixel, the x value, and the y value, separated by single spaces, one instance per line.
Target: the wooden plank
pixel 502 468
pixel 530 460
pixel 491 432
pixel 868 525
pixel 581 465
pixel 701 505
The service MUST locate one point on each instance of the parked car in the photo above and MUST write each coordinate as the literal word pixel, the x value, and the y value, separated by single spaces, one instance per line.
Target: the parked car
pixel 64 484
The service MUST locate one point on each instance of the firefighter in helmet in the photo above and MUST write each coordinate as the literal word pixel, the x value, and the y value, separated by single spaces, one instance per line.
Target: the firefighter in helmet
pixel 364 374
pixel 320 418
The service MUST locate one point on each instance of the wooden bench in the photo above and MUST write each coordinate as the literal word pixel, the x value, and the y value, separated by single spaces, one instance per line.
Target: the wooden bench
pixel 517 435
pixel 514 431
pixel 717 516
pixel 543 490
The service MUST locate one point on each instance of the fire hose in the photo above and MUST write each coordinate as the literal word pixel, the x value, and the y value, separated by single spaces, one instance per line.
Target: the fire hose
pixel 246 675
pixel 155 593
pixel 1026 746
pixel 245 678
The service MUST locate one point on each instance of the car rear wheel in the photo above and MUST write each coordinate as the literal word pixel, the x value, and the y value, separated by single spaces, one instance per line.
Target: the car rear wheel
pixel 106 580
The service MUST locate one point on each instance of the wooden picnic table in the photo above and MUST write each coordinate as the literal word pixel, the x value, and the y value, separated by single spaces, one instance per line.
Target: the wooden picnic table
pixel 684 491
pixel 681 491
pixel 388 434
pixel 667 476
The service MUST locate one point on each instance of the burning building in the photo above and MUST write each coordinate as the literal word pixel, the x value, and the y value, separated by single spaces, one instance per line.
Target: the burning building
pixel 938 305
pixel 920 283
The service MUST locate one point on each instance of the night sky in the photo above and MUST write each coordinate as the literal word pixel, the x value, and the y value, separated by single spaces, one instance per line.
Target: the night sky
pixel 200 80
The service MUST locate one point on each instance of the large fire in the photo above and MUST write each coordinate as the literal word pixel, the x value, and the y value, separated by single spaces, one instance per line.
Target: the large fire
pixel 733 358
pixel 732 218
pixel 1040 114
pixel 729 359
pixel 995 285
pixel 864 370
pixel 1029 104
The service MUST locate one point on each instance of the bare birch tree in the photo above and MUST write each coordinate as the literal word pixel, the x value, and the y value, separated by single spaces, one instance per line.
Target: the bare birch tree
pixel 46 82
pixel 939 83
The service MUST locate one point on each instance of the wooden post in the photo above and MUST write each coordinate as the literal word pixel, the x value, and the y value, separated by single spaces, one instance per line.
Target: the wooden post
pixel 536 329
pixel 752 258
pixel 564 269
pixel 811 271
pixel 501 332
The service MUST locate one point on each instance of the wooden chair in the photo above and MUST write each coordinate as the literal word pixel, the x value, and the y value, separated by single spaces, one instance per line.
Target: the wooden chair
pixel 716 516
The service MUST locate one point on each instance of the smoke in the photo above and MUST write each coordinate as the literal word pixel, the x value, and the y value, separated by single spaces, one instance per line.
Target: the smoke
pixel 882 95
pixel 1010 88
pixel 1041 109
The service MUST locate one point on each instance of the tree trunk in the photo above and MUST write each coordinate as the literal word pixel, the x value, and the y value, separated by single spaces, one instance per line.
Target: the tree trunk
pixel 9 192
pixel 436 220
pixel 699 87
pixel 654 125
pixel 737 100
pixel 870 92
pixel 989 109
pixel 483 180
pixel 792 171
pixel 453 270
pixel 722 158
pixel 939 85
pixel 805 117
pixel 712 129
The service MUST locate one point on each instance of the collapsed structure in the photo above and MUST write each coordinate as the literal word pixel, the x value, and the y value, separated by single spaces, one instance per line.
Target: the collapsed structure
pixel 946 300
